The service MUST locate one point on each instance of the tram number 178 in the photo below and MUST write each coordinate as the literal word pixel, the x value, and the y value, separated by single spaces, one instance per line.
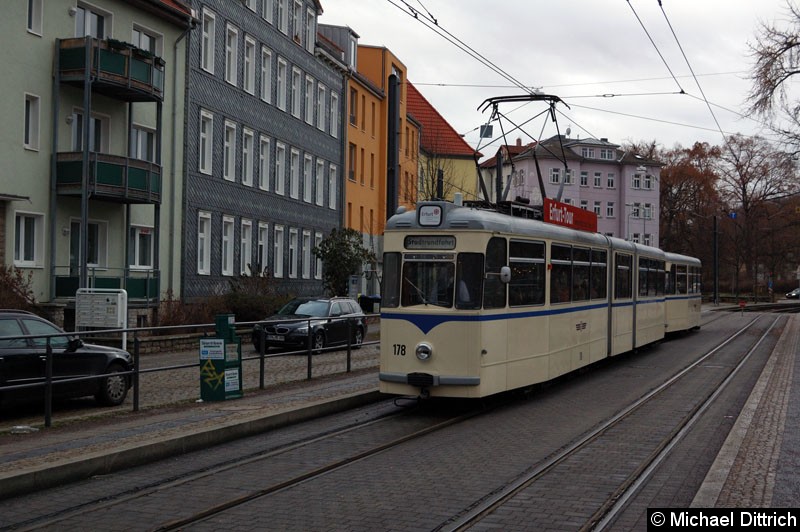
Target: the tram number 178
pixel 399 350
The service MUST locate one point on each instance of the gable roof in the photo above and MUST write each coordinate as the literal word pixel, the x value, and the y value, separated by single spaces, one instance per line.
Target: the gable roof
pixel 437 136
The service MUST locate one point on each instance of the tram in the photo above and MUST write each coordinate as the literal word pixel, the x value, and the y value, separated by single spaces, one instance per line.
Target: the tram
pixel 477 301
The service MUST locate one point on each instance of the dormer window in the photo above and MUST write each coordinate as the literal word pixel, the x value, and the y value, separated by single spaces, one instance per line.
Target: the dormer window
pixel 587 153
pixel 607 154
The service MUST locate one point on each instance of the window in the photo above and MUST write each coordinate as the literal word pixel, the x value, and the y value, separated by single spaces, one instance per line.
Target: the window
pixel 208 41
pixel 585 204
pixel 332 187
pixel 561 274
pixel 568 177
pixel 35 16
pixel 263 248
pixel 266 74
pixel 636 210
pixel 90 22
pixel 250 4
pixel 245 256
pixel 227 245
pixel 598 177
pixel 204 243
pixel 282 84
pixel 143 144
pixel 353 59
pixel 611 180
pixel 268 8
pixel 351 161
pixel 527 263
pixel 283 16
pixel 334 115
pixel 98 132
pixel 598 280
pixel 206 141
pixel 353 107
pixel 249 64
pixel 321 106
pixel 28 239
pixel 581 267
pixel 319 182
pixel 278 255
pixel 318 261
pixel 646 239
pixel 231 54
pixel 555 175
pixel 587 152
pixel 494 290
pixel 636 181
pixel 294 174
pixel 309 100
pixel 146 40
pixel 229 160
pixel 648 211
pixel 31 128
pixel 280 168
pixel 263 163
pixel 97 244
pixel 140 252
pixel 306 270
pixel 610 209
pixel 635 238
pixel 584 179
pixel 296 93
pixel 606 153
pixel 307 168
pixel 248 156
pixel 311 30
pixel 297 21
pixel 648 182
pixel 597 207
pixel 292 253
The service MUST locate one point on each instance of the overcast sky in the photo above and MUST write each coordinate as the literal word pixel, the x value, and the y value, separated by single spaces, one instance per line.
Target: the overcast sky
pixel 578 50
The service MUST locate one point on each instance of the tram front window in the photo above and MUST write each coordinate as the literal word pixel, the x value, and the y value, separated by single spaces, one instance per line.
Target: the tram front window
pixel 428 283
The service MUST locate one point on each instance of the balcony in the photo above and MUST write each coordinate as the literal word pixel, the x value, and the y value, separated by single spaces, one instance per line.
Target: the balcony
pixel 116 69
pixel 111 177
pixel 142 286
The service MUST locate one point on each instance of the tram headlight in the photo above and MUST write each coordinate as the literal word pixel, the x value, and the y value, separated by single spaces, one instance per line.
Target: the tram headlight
pixel 424 351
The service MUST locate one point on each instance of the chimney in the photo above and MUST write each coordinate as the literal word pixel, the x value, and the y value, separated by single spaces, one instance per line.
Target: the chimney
pixel 519 141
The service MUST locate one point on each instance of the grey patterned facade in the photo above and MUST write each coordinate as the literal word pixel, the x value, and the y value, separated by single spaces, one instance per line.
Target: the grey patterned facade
pixel 264 153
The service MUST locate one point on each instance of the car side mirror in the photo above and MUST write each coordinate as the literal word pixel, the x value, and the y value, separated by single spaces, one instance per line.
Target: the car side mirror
pixel 74 344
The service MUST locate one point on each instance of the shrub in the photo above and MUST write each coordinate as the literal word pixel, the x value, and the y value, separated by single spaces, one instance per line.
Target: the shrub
pixel 15 289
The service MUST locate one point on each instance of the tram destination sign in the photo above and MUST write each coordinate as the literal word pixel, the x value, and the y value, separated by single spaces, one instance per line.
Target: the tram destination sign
pixel 570 216
pixel 430 242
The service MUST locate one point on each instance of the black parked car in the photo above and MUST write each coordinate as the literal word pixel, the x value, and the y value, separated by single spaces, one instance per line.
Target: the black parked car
pixel 794 294
pixel 330 319
pixel 22 361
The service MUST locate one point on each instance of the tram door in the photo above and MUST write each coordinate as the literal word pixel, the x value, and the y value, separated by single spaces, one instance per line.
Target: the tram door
pixel 494 332
pixel 623 320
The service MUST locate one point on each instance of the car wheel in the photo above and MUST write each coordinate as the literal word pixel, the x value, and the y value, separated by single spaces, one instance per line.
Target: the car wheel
pixel 318 342
pixel 358 338
pixel 114 388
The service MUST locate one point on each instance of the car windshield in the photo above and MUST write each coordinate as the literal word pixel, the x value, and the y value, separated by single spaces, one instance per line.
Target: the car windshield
pixel 305 308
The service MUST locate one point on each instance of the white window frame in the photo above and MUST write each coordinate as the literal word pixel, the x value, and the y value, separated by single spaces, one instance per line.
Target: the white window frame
pixel 584 178
pixel 306 266
pixel 335 113
pixel 143 143
pixel 598 207
pixel 268 10
pixel 277 269
pixel 309 100
pixel 297 22
pixel 248 156
pixel 266 74
pixel 95 119
pixel 636 181
pixel 31 123
pixel 250 4
pixel 332 175
pixel 282 84
pixel 231 54
pixel 308 161
pixel 297 92
pixel 246 246
pixel 648 182
pixel 205 163
pixel 229 152
pixel 204 243
pixel 280 168
pixel 35 17
pixel 140 231
pixel 318 261
pixel 585 204
pixel 611 180
pixel 293 256
pixel 321 95
pixel 555 176
pixel 263 246
pixel 249 81
pixel 80 14
pixel 28 249
pixel 283 17
pixel 294 174
pixel 311 30
pixel 598 180
pixel 98 228
pixel 610 209
pixel 263 162
pixel 319 182
pixel 226 255
pixel 208 41
pixel 140 35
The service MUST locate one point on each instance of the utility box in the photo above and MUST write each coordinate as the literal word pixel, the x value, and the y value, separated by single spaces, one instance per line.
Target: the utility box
pixel 221 362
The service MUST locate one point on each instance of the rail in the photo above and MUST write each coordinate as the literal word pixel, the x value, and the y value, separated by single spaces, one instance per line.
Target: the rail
pixel 49 380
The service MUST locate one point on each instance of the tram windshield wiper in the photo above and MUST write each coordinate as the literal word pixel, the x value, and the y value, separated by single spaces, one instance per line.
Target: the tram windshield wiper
pixel 420 293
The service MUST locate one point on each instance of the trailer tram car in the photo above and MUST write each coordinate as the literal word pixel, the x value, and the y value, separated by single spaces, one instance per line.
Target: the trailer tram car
pixel 683 293
pixel 476 302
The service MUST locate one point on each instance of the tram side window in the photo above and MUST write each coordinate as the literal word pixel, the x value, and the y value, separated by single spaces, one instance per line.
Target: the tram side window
pixel 644 269
pixel 660 279
pixel 680 280
pixel 623 279
pixel 527 273
pixel 560 273
pixel 494 290
pixel 391 280
pixel 581 264
pixel 469 278
pixel 599 274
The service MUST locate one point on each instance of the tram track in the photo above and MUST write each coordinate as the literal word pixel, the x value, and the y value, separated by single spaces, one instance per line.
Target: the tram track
pixel 632 483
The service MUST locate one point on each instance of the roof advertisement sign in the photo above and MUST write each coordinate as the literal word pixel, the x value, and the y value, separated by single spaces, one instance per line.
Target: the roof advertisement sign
pixel 570 216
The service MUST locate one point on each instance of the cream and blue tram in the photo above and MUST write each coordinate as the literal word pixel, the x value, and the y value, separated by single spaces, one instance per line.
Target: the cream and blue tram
pixel 476 302
pixel 683 296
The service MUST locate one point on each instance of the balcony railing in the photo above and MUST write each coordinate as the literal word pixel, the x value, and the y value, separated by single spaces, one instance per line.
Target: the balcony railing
pixel 111 177
pixel 116 68
pixel 141 285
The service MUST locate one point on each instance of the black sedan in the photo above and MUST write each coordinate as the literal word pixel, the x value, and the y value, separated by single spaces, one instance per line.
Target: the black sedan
pixel 23 362
pixel 325 321
pixel 794 294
